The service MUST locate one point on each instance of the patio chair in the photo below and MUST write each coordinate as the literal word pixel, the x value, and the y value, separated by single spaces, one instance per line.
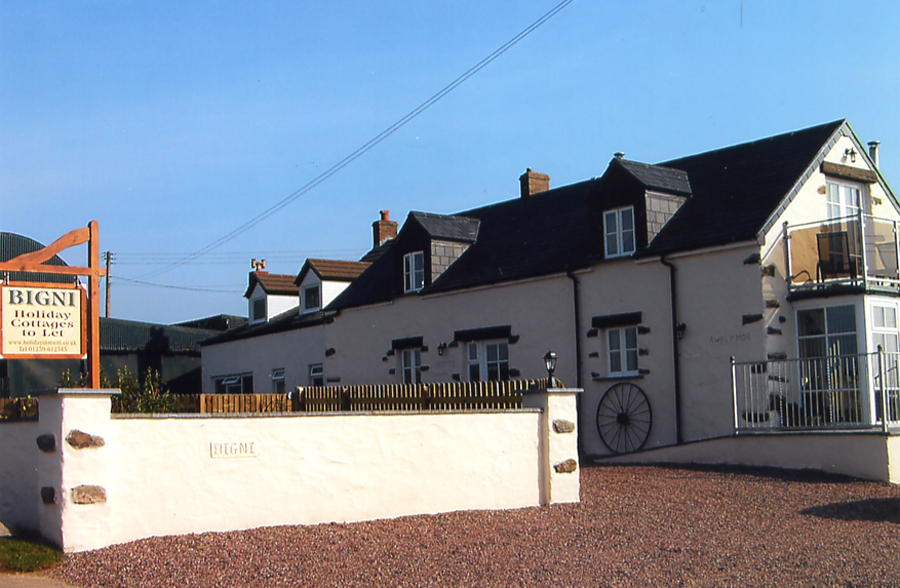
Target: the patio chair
pixel 835 260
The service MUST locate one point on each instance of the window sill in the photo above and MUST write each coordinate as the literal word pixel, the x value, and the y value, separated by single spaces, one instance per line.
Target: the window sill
pixel 622 376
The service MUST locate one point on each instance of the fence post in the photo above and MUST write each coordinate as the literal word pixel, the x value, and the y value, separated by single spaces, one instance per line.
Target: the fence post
pixel 883 390
pixel 734 394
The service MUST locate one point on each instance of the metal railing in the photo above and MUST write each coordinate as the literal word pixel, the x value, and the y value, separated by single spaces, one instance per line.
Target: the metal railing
pixel 821 393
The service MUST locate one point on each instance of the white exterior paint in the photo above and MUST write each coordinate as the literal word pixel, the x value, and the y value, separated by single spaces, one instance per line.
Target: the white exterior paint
pixel 168 474
pixel 869 456
pixel 540 312
pixel 292 351
pixel 275 305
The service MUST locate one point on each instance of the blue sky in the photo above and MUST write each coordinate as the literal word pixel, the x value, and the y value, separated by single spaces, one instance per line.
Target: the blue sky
pixel 174 123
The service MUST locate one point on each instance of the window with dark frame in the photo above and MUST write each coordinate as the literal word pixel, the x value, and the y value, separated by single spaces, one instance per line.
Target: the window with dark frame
pixel 311 298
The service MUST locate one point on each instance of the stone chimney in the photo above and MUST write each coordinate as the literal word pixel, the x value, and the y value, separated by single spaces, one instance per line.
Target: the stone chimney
pixel 533 183
pixel 384 229
pixel 873 152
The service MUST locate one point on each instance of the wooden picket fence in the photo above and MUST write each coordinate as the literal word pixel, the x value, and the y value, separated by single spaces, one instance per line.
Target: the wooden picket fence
pixel 388 397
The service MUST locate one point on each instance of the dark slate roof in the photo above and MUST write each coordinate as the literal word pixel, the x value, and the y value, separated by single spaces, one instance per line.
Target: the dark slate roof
pixel 217 322
pixel 272 284
pixel 331 270
pixel 125 335
pixel 734 190
pixel 447 227
pixel 286 321
pixel 656 177
pixel 13 245
pixel 546 233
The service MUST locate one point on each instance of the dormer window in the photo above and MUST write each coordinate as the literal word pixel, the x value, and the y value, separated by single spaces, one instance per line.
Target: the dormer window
pixel 618 226
pixel 311 298
pixel 413 271
pixel 257 310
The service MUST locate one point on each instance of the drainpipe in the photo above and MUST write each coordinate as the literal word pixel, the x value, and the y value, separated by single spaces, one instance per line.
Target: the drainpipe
pixel 576 298
pixel 675 350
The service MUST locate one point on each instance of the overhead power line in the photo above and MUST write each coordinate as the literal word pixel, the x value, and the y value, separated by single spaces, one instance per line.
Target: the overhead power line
pixel 368 145
pixel 172 287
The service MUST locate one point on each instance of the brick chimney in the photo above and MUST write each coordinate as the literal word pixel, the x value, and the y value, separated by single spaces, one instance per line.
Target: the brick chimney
pixel 533 183
pixel 384 229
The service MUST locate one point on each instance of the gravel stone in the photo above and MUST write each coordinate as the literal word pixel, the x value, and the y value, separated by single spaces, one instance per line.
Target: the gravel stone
pixel 636 526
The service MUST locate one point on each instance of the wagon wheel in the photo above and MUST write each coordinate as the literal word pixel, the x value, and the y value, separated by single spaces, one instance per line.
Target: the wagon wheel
pixel 624 418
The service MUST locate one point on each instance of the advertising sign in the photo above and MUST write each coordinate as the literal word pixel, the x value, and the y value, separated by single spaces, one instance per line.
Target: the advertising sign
pixel 40 321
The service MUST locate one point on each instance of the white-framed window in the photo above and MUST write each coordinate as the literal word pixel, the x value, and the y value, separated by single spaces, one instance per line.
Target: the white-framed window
pixel 413 271
pixel 311 297
pixel 842 199
pixel 257 310
pixel 234 384
pixel 884 329
pixel 278 381
pixel 618 228
pixel 488 361
pixel 622 350
pixel 316 375
pixel 827 332
pixel 411 366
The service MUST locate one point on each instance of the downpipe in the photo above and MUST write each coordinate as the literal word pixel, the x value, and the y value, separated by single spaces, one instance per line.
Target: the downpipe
pixel 676 355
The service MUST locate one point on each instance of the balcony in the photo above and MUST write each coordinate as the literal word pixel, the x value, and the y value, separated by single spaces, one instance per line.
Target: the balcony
pixel 858 252
pixel 847 392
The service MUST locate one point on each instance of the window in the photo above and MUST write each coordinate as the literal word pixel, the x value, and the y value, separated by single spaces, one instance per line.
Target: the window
pixel 842 200
pixel 278 381
pixel 618 226
pixel 234 384
pixel 623 350
pixel 311 298
pixel 884 329
pixel 412 366
pixel 316 375
pixel 257 310
pixel 488 361
pixel 413 271
pixel 824 332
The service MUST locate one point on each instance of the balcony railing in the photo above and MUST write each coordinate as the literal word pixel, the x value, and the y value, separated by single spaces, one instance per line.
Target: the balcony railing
pixel 822 393
pixel 860 250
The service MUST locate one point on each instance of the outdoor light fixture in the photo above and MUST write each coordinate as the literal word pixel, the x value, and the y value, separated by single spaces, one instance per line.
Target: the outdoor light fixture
pixel 851 153
pixel 442 347
pixel 550 364
pixel 679 330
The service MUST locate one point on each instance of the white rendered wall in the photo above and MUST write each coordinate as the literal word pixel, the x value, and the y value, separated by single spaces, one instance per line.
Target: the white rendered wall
pixel 176 474
pixel 292 351
pixel 540 312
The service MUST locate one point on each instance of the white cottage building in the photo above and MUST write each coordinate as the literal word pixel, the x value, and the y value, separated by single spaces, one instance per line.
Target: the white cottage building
pixel 740 291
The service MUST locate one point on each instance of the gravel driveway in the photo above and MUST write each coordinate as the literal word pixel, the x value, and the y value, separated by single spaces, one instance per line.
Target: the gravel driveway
pixel 636 526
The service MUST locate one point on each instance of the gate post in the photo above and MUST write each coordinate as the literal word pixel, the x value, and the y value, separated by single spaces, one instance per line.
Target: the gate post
pixel 558 453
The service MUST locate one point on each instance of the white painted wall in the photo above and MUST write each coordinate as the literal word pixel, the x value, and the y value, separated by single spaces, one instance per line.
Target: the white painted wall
pixel 541 313
pixel 167 474
pixel 869 456
pixel 292 351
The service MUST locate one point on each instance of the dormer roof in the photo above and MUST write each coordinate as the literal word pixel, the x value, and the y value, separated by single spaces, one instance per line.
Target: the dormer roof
pixel 272 284
pixel 331 270
pixel 444 227
pixel 657 177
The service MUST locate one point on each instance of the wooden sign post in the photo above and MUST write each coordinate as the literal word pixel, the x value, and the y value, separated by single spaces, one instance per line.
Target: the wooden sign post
pixel 33 262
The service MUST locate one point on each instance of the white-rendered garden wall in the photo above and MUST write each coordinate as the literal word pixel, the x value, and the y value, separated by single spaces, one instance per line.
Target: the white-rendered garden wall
pixel 138 476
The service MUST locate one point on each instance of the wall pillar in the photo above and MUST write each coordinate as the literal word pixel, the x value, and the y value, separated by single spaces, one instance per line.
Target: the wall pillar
pixel 560 469
pixel 73 468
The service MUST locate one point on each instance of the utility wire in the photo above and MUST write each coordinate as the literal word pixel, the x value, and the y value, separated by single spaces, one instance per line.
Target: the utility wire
pixel 370 144
pixel 171 287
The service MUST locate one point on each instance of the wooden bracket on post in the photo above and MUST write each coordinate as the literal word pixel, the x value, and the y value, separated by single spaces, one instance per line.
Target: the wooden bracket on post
pixel 34 262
